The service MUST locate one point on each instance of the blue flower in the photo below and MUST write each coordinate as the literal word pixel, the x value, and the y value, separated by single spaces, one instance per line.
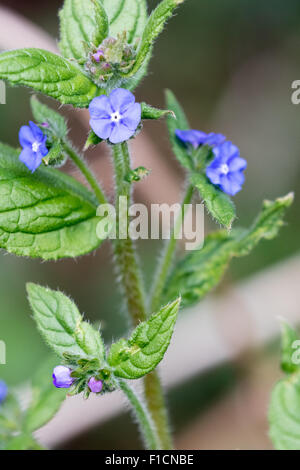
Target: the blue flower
pixel 3 391
pixel 226 170
pixel 197 138
pixel 62 377
pixel 33 142
pixel 115 117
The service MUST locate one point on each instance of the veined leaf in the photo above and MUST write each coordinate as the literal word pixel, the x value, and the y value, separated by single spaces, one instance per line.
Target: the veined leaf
pixel 43 114
pixel 60 323
pixel 48 73
pixel 46 214
pixel 139 355
pixel 129 15
pixel 216 201
pixel 180 122
pixel 284 414
pixel 196 274
pixel 81 21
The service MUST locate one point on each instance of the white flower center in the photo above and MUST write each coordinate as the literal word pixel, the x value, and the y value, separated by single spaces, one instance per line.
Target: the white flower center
pixel 224 169
pixel 116 116
pixel 35 146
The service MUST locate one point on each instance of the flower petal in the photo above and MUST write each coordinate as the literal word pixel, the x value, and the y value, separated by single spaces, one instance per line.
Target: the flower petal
pixel 120 133
pixel 132 117
pixel 229 184
pixel 37 132
pixel 26 136
pixel 121 99
pixel 237 164
pixel 100 108
pixel 31 159
pixel 191 136
pixel 102 127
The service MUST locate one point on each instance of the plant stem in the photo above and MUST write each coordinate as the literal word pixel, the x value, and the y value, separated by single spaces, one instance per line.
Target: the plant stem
pixel 146 425
pixel 168 256
pixel 126 258
pixel 132 284
pixel 91 179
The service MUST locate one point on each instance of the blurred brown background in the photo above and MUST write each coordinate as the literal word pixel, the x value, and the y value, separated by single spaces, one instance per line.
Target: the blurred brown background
pixel 231 64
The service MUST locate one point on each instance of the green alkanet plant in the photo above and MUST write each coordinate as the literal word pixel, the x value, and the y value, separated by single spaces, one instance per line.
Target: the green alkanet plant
pixel 105 49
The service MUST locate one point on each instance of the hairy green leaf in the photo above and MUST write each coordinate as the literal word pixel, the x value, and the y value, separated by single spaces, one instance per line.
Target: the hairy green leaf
pixel 60 323
pixel 48 73
pixel 129 15
pixel 46 214
pixel 149 112
pixel 216 201
pixel 43 114
pixel 139 355
pixel 153 28
pixel 180 122
pixel 81 21
pixel 196 274
pixel 284 414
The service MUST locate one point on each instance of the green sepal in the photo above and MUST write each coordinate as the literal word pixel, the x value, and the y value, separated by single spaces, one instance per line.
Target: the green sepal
pixel 149 112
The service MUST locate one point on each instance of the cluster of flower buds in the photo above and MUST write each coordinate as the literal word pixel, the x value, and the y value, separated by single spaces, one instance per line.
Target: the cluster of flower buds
pixel 83 378
pixel 112 57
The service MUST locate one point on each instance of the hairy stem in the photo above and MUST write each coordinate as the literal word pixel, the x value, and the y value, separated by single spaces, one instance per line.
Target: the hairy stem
pixel 132 285
pixel 91 179
pixel 168 256
pixel 147 427
pixel 125 254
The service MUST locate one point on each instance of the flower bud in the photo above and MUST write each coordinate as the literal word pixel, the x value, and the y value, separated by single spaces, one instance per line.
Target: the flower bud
pixel 62 377
pixel 95 385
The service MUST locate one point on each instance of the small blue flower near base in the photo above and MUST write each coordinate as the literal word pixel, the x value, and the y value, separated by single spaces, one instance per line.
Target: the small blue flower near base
pixel 197 138
pixel 33 142
pixel 3 391
pixel 226 170
pixel 62 377
pixel 115 117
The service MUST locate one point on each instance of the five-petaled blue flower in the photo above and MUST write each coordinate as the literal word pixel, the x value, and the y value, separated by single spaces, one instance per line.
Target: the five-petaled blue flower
pixel 3 391
pixel 33 142
pixel 226 170
pixel 115 117
pixel 62 377
pixel 197 138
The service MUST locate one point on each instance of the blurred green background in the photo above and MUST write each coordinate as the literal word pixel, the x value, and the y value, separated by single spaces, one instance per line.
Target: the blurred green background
pixel 231 64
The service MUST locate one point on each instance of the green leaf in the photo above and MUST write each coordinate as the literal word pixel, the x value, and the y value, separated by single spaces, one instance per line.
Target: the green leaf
pixel 284 414
pixel 180 122
pixel 92 139
pixel 129 15
pixel 46 214
pixel 148 112
pixel 46 399
pixel 81 21
pixel 201 270
pixel 216 201
pixel 48 73
pixel 23 442
pixel 153 28
pixel 289 339
pixel 60 323
pixel 43 114
pixel 147 345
